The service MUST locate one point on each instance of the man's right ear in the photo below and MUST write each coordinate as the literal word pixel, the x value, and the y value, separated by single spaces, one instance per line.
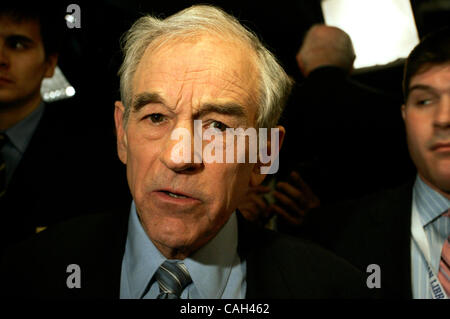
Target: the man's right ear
pixel 119 111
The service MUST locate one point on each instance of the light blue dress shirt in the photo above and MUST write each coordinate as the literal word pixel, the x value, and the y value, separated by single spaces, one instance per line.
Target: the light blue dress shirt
pixel 19 136
pixel 430 205
pixel 216 269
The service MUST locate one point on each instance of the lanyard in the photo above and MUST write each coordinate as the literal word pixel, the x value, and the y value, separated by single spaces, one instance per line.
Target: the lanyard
pixel 418 235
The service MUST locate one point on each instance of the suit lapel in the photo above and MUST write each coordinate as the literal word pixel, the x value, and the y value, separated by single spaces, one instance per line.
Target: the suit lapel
pixel 392 221
pixel 264 277
pixel 405 198
pixel 103 260
pixel 111 287
pixel 23 192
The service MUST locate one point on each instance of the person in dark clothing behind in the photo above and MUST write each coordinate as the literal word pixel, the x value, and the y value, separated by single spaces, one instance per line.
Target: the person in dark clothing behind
pixel 344 139
pixel 352 133
pixel 45 176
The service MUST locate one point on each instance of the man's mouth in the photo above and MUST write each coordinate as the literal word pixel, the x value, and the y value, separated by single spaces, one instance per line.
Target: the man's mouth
pixel 5 80
pixel 174 195
pixel 441 146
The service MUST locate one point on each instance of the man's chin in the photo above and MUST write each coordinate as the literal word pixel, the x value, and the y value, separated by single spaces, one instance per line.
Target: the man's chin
pixel 441 183
pixel 9 100
pixel 171 231
pixel 5 100
pixel 175 246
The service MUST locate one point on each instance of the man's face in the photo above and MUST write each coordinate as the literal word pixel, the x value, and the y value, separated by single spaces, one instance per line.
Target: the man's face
pixel 23 64
pixel 203 79
pixel 427 120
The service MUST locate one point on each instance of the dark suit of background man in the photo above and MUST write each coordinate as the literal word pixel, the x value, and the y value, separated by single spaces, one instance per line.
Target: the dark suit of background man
pixel 45 177
pixel 199 64
pixel 345 138
pixel 351 133
pixel 378 229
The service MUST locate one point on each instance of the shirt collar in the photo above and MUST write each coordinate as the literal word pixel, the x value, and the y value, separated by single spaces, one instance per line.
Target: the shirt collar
pixel 209 269
pixel 142 257
pixel 430 203
pixel 20 134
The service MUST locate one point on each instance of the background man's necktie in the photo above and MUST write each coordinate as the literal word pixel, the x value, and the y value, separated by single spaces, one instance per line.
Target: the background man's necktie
pixel 3 139
pixel 172 278
pixel 444 268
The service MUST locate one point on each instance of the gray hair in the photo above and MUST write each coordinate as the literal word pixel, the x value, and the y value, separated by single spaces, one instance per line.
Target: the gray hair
pixel 275 85
pixel 327 45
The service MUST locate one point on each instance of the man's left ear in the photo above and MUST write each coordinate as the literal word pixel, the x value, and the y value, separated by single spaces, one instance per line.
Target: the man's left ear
pixel 51 61
pixel 257 177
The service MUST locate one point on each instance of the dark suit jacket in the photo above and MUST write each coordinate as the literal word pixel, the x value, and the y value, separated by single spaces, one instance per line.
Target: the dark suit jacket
pixel 277 266
pixel 69 168
pixel 337 128
pixel 372 230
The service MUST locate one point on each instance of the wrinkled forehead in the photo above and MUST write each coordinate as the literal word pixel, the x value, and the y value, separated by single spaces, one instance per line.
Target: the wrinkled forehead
pixel 216 64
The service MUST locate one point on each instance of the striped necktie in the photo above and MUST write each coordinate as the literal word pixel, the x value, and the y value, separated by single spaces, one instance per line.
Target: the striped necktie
pixel 444 268
pixel 172 278
pixel 3 139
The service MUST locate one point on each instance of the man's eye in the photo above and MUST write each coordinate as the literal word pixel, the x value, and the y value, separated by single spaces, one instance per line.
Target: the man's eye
pixel 424 102
pixel 17 45
pixel 156 118
pixel 218 125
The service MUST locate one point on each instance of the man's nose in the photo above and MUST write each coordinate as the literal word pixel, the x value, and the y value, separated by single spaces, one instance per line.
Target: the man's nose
pixel 442 115
pixel 183 148
pixel 4 55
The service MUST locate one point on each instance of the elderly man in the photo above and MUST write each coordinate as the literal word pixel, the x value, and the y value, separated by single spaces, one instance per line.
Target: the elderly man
pixel 184 238
pixel 405 231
